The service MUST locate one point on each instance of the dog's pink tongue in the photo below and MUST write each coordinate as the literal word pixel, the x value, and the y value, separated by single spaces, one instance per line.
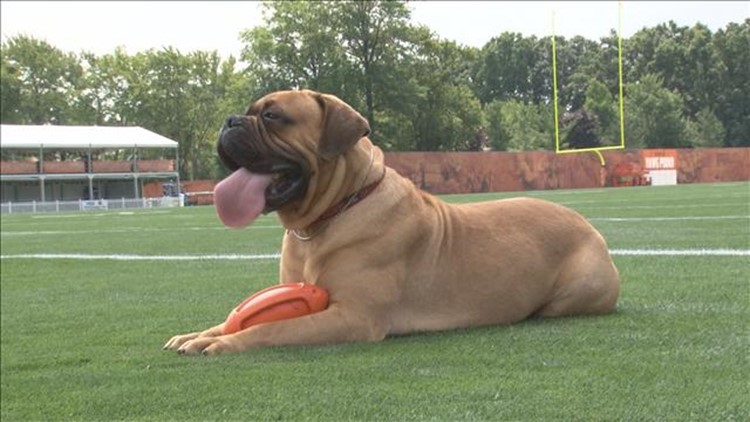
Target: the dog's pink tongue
pixel 240 198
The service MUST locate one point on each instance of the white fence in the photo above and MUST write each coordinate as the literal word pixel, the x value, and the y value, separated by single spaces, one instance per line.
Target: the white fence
pixel 95 205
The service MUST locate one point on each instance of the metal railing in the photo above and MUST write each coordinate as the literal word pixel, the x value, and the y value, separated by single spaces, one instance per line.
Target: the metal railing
pixel 89 205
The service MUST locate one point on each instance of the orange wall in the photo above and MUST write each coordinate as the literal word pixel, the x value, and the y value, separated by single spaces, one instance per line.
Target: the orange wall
pixel 470 172
pixel 467 172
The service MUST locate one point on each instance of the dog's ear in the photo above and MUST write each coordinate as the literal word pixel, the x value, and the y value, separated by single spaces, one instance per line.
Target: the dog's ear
pixel 342 127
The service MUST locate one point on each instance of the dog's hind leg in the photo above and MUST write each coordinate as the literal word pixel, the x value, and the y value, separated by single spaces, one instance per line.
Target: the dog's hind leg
pixel 588 283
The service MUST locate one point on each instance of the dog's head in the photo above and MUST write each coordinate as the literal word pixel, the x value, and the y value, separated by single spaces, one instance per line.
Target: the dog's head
pixel 286 137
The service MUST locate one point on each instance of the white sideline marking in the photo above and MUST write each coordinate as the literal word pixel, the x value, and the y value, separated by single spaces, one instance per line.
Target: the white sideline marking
pixel 121 257
pixel 6 233
pixel 100 214
pixel 716 217
pixel 680 252
pixel 597 205
pixel 257 257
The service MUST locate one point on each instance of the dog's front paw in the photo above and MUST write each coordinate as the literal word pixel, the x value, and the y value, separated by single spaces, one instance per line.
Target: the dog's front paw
pixel 207 346
pixel 175 342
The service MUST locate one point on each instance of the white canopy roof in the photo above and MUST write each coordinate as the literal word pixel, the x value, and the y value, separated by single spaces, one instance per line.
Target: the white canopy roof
pixel 28 137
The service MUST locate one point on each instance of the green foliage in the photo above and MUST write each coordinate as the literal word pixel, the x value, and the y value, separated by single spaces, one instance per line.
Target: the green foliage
pixel 496 129
pixel 653 115
pixel 682 57
pixel 603 105
pixel 181 96
pixel 572 76
pixel 504 68
pixel 706 130
pixel 685 86
pixel 297 48
pixel 178 95
pixel 104 91
pixel 580 129
pixel 40 81
pixel 82 339
pixel 376 35
pixel 446 115
pixel 350 49
pixel 730 101
pixel 527 126
pixel 10 87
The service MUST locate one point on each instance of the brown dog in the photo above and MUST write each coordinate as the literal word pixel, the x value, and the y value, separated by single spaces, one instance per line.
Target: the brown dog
pixel 394 259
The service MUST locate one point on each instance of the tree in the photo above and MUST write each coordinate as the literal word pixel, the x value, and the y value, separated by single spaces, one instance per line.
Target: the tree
pixel 504 67
pixel 298 47
pixel 601 63
pixel 446 114
pixel 683 57
pixel 731 101
pixel 375 34
pixel 178 96
pixel 578 61
pixel 103 97
pixel 600 103
pixel 350 49
pixel 496 130
pixel 528 126
pixel 580 130
pixel 40 81
pixel 706 130
pixel 653 115
pixel 10 87
pixel 684 85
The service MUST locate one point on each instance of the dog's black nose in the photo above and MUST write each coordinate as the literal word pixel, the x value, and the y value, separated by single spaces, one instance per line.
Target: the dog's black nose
pixel 228 147
pixel 233 121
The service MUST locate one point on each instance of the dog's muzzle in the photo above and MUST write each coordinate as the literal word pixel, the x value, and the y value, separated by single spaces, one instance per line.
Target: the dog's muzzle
pixel 244 142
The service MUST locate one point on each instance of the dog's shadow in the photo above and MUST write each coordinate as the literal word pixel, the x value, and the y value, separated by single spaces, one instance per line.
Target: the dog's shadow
pixel 455 342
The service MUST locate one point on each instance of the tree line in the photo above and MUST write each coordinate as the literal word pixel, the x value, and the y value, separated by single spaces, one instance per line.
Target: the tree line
pixel 683 86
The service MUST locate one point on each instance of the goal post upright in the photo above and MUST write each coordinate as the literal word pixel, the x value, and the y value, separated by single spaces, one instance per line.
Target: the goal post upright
pixel 621 106
pixel 619 74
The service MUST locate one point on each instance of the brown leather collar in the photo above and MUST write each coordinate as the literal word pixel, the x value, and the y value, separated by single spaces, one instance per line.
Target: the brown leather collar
pixel 349 201
pixel 336 210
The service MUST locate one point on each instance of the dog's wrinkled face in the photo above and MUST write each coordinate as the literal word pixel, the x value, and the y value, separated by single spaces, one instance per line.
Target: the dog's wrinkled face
pixel 285 135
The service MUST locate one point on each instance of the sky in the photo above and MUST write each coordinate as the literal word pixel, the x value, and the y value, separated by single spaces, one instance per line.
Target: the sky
pixel 101 26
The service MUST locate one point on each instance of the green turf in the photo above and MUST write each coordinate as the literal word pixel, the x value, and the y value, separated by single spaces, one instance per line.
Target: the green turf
pixel 81 340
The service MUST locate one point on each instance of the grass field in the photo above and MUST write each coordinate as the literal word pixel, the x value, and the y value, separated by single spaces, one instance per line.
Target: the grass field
pixel 88 300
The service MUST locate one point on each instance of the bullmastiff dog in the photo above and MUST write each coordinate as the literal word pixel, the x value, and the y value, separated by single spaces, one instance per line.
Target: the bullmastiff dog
pixel 394 259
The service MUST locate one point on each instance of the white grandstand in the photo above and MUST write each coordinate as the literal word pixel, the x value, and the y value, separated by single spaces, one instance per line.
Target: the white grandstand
pixel 90 166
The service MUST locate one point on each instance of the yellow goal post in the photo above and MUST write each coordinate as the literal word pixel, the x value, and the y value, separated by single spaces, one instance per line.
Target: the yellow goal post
pixel 596 150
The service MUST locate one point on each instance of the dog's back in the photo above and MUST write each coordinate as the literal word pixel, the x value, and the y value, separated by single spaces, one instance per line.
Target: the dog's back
pixel 499 262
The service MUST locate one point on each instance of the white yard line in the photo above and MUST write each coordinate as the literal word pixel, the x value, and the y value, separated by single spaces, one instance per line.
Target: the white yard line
pixel 273 256
pixel 708 217
pixel 99 214
pixel 124 230
pixel 680 252
pixel 597 206
pixel 9 233
pixel 128 257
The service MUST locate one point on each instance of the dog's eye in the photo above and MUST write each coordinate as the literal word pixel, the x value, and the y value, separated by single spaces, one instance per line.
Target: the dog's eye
pixel 269 115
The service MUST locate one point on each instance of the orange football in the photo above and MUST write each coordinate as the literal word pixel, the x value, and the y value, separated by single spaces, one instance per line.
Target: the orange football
pixel 282 301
